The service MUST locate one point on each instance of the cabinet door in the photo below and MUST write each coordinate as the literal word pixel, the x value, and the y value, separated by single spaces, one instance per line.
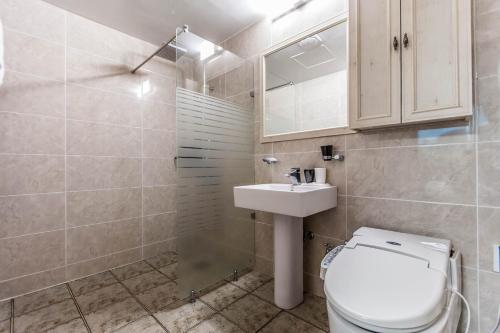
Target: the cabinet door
pixel 375 71
pixel 437 74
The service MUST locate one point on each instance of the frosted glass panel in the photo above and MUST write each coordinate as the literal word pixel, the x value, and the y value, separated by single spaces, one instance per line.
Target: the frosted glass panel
pixel 214 153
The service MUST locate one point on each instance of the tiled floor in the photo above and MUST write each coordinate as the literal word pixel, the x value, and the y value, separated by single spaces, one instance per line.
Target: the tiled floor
pixel 141 297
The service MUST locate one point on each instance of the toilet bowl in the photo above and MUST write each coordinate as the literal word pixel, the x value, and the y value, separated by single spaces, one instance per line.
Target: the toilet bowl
pixel 388 282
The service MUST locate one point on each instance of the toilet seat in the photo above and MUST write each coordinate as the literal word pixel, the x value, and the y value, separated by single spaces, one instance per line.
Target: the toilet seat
pixel 388 281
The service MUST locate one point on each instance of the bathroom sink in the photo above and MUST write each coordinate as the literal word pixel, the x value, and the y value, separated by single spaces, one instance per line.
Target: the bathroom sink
pixel 298 200
pixel 290 204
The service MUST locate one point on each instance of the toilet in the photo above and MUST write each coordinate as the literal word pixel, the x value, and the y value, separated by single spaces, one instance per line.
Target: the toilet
pixel 385 281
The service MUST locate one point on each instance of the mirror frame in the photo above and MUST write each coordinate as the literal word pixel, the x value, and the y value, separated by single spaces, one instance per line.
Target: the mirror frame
pixel 342 18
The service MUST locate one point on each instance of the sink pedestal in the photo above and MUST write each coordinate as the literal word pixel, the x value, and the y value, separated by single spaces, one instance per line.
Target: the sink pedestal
pixel 289 204
pixel 288 261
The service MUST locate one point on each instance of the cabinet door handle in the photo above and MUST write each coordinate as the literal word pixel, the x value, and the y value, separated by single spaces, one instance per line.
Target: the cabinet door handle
pixel 395 43
pixel 405 40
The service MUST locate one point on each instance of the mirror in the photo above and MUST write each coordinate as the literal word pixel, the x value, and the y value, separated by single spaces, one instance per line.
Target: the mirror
pixel 305 85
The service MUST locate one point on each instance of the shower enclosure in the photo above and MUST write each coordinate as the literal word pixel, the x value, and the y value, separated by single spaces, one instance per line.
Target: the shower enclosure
pixel 215 240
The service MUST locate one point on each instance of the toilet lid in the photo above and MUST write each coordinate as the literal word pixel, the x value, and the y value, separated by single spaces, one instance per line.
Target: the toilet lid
pixel 377 287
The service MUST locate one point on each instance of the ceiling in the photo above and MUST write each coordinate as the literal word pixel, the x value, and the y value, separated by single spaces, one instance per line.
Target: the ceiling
pixel 155 21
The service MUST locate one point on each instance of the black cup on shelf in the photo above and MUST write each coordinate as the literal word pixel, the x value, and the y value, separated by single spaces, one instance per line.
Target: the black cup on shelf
pixel 309 175
pixel 327 152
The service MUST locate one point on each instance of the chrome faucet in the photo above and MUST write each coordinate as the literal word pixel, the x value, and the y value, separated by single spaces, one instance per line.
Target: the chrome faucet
pixel 294 176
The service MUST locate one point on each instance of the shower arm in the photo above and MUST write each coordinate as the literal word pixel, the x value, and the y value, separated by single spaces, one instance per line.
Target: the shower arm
pixel 185 28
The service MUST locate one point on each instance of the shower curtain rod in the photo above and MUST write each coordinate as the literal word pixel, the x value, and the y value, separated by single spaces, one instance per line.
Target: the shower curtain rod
pixel 185 28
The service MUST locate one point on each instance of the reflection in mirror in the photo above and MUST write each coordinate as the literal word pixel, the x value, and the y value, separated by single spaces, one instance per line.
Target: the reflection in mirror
pixel 306 84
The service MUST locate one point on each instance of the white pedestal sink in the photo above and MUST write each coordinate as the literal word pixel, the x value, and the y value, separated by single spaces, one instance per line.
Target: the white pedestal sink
pixel 289 208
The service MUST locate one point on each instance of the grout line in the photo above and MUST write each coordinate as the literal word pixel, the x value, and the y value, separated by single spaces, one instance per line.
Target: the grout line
pixel 32 234
pixel 409 200
pixel 33 115
pixel 12 315
pixel 138 301
pixel 476 104
pixel 33 76
pixel 7 28
pixel 142 183
pixel 304 320
pixel 270 320
pixel 78 307
pixel 465 143
pixel 346 174
pixel 65 139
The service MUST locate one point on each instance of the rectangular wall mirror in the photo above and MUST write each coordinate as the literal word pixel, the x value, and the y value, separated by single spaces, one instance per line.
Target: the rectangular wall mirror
pixel 305 87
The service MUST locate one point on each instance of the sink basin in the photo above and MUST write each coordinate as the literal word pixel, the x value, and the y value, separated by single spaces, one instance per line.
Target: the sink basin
pixel 290 204
pixel 299 200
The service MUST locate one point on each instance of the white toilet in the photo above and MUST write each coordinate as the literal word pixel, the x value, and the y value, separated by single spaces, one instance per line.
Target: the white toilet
pixel 384 281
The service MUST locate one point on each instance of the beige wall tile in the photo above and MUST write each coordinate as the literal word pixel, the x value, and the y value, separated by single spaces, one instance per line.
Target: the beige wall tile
pixel 158 171
pixel 159 115
pixel 251 41
pixel 159 199
pixel 28 134
pixel 21 215
pixel 437 173
pixel 31 174
pixel 159 144
pixel 314 252
pixel 103 41
pixel 35 56
pixel 489 234
pixel 32 282
pixel 314 285
pixel 93 266
pixel 89 207
pixel 96 72
pixel 264 266
pixel 102 140
pixel 159 228
pixel 100 106
pixel 22 93
pixel 489 174
pixel 240 79
pixel 263 171
pixel 487 43
pixel 489 109
pixel 98 240
pixel 485 6
pixel 331 223
pixel 264 240
pixel 489 294
pixel 89 173
pixel 442 133
pixel 155 249
pixel 34 17
pixel 309 145
pixel 469 290
pixel 30 254
pixel 454 222
pixel 157 87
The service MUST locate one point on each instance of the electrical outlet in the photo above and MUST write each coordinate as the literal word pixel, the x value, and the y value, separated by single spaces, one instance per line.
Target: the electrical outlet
pixel 496 258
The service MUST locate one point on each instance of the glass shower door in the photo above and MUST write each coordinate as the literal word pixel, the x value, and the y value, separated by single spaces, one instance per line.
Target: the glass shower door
pixel 214 153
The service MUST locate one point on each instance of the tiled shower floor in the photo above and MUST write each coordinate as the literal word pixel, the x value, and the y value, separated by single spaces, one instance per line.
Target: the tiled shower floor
pixel 141 298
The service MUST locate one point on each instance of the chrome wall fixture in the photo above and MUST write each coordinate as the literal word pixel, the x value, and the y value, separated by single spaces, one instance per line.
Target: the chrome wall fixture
pixel 163 50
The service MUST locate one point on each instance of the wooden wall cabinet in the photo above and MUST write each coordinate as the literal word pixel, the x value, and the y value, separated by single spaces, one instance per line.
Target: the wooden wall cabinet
pixel 410 61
